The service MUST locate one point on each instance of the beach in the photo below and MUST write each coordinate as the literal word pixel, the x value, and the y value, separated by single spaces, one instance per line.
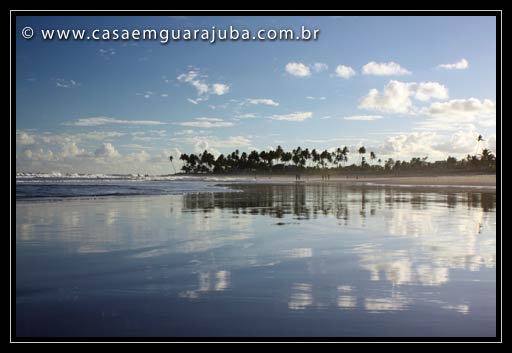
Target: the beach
pixel 484 180
pixel 255 259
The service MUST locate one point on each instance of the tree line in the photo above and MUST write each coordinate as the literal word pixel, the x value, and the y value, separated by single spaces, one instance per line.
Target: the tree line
pixel 304 160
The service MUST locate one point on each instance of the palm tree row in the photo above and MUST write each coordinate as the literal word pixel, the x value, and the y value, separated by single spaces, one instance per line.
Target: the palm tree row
pixel 300 159
pixel 264 160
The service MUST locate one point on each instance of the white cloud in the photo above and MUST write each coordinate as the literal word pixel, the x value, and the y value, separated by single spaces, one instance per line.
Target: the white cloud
pixel 98 135
pixel 462 64
pixel 146 94
pixel 319 67
pixel 298 69
pixel 457 113
pixel 316 98
pixel 207 123
pixel 185 132
pixel 406 146
pixel 298 116
pixel 245 116
pixel 212 143
pixel 22 138
pixel 106 150
pixel 393 99
pixel 101 120
pixel 363 117
pixel 435 145
pixel 396 96
pixel 345 72
pixel 209 119
pixel 147 138
pixel 70 149
pixel 265 101
pixel 462 108
pixel 198 81
pixel 220 89
pixel 460 142
pixel 425 91
pixel 141 156
pixel 36 154
pixel 384 69
pixel 107 53
pixel 192 77
pixel 62 83
pixel 25 138
pixel 164 95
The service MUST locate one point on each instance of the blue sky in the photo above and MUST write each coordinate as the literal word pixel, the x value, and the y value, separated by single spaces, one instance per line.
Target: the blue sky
pixel 401 86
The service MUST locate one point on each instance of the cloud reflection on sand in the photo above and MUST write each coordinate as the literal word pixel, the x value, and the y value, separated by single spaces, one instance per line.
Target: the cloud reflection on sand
pixel 397 238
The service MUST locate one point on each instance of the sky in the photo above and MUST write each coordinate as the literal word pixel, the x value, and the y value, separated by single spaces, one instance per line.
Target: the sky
pixel 402 87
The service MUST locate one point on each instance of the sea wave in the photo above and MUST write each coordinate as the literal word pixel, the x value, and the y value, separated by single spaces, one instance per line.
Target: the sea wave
pixel 71 177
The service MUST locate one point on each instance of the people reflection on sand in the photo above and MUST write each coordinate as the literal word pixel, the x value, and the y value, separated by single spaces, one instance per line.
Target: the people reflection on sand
pixel 397 238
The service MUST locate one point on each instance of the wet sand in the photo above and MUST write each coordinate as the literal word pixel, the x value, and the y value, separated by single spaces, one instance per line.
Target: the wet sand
pixel 484 180
pixel 278 259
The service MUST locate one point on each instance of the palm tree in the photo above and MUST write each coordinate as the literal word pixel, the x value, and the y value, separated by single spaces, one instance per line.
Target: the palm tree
pixel 304 156
pixel 372 156
pixel 297 155
pixel 315 156
pixel 325 155
pixel 362 151
pixel 286 157
pixel 345 152
pixel 338 156
pixel 478 139
pixel 279 153
pixel 171 158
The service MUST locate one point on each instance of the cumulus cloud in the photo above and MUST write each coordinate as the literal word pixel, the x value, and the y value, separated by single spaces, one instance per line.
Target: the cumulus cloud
pixel 425 91
pixel 298 69
pixel 435 145
pixel 207 123
pixel 298 116
pixel 363 117
pixel 396 96
pixel 345 72
pixel 384 69
pixel 220 89
pixel 410 144
pixel 70 149
pixel 213 143
pixel 106 150
pixel 22 138
pixel 101 120
pixel 454 114
pixel 462 64
pixel 463 108
pixel 264 101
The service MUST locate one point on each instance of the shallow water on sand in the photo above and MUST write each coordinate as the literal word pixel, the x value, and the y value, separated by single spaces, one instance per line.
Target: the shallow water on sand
pixel 272 260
